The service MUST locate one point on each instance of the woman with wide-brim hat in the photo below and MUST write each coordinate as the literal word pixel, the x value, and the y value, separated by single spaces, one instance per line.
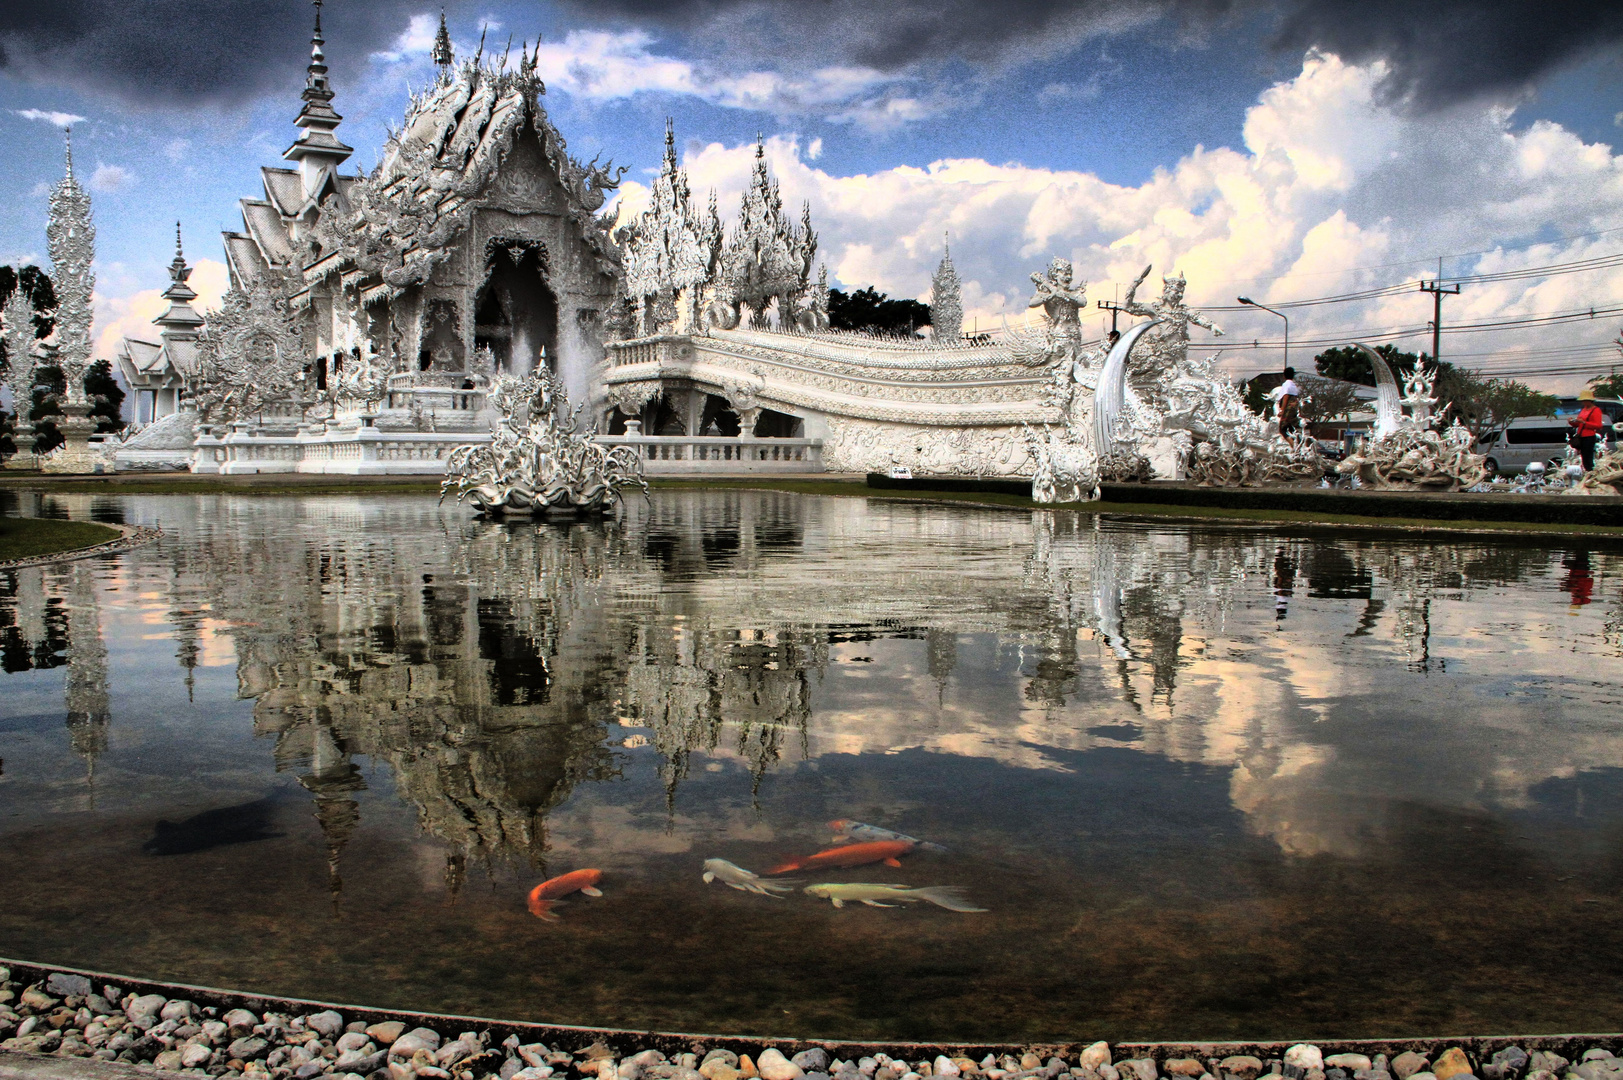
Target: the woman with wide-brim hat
pixel 1586 426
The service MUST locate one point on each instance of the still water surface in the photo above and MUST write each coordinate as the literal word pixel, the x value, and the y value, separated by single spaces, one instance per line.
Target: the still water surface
pixel 1209 783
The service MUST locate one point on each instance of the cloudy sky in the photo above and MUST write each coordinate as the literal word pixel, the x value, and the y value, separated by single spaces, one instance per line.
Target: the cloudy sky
pixel 1281 149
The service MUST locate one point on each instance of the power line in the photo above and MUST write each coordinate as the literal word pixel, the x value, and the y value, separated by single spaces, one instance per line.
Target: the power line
pixel 1578 266
pixel 1394 333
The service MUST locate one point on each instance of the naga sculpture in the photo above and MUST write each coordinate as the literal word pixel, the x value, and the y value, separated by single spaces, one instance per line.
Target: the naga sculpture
pixel 539 459
pixel 1413 450
pixel 1071 460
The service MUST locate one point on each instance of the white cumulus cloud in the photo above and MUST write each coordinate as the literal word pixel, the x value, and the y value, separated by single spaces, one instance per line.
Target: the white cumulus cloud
pixel 416 39
pixel 607 66
pixel 110 178
pixel 1329 179
pixel 60 119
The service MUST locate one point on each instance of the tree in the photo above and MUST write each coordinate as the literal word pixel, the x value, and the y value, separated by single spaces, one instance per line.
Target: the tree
pixel 1607 386
pixel 49 386
pixel 1485 405
pixel 106 395
pixel 873 312
pixel 1349 363
pixel 1326 399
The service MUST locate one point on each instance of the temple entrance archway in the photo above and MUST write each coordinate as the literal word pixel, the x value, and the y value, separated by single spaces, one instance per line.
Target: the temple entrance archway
pixel 515 313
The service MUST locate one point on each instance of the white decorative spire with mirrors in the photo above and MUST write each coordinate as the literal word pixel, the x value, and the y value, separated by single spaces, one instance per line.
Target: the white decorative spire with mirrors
pixel 71 236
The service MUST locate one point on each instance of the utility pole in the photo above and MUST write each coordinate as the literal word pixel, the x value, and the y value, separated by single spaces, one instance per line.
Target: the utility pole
pixel 1438 291
pixel 1112 307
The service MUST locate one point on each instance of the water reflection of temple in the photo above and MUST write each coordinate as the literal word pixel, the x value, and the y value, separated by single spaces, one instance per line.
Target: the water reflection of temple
pixel 50 617
pixel 492 669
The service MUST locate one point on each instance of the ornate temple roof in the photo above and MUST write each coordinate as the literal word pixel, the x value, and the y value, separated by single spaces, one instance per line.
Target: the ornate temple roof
pixel 444 161
pixel 164 363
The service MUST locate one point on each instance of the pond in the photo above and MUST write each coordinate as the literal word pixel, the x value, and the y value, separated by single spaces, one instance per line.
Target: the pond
pixel 1206 783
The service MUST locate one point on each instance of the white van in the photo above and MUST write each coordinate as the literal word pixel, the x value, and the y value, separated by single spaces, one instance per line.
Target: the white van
pixel 1522 442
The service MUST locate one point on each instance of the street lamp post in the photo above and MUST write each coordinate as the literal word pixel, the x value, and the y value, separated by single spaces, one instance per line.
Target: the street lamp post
pixel 1252 303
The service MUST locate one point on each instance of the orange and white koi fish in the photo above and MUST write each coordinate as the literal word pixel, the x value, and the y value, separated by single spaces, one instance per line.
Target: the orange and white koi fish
pixel 888 852
pixel 846 831
pixel 545 895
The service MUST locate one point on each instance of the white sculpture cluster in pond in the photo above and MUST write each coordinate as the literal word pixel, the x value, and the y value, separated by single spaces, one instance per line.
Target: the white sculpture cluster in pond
pixel 1144 398
pixel 539 457
pixel 1412 449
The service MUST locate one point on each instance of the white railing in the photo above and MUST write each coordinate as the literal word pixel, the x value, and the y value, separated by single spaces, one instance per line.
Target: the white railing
pixel 363 451
pixel 368 451
pixel 676 454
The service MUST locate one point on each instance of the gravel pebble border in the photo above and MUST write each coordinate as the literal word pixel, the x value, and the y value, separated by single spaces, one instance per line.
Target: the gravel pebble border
pixel 195 1031
pixel 134 536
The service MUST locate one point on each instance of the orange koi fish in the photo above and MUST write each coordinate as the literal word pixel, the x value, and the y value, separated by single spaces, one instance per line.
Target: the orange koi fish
pixel 885 851
pixel 547 894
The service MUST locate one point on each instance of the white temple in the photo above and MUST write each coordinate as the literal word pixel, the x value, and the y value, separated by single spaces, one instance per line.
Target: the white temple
pixel 370 317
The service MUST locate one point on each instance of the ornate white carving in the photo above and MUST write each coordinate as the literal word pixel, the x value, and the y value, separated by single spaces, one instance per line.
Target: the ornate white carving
pixel 946 301
pixel 1170 344
pixel 20 358
pixel 814 318
pixel 539 458
pixel 1061 301
pixel 71 236
pixel 766 257
pixel 439 168
pixel 669 248
pixel 250 353
pixel 857 445
pixel 363 382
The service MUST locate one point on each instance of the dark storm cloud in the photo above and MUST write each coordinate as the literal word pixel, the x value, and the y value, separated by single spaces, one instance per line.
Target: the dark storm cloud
pixel 1439 52
pixel 211 51
pixel 179 51
pixel 1451 50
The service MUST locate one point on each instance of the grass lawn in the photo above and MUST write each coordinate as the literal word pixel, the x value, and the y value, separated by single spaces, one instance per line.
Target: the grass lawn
pixel 25 538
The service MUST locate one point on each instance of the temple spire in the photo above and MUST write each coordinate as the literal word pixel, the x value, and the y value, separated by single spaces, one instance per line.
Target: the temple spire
pixel 317 149
pixel 946 300
pixel 442 53
pixel 181 320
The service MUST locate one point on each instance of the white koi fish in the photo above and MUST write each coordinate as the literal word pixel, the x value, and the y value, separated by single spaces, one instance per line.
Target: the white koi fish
pixel 736 877
pixel 946 896
pixel 846 831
